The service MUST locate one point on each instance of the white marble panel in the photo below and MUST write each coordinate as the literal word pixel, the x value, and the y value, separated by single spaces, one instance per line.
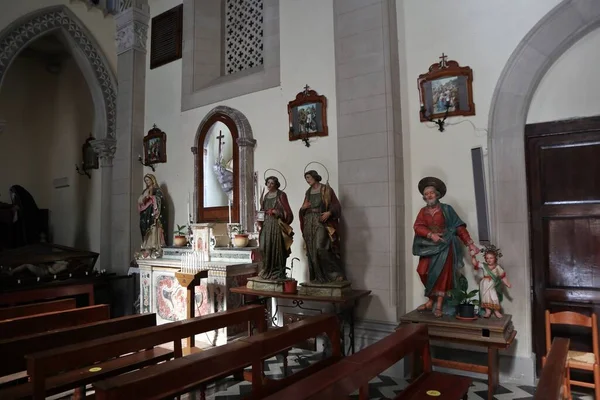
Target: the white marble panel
pixel 371 217
pixel 362 104
pixel 361 86
pixel 363 171
pixel 357 147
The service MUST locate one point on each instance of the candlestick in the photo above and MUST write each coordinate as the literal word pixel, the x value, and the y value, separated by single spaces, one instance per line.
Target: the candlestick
pixel 188 211
pixel 229 206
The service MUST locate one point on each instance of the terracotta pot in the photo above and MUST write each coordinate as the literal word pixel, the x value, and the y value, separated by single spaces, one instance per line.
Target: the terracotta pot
pixel 290 286
pixel 179 241
pixel 240 240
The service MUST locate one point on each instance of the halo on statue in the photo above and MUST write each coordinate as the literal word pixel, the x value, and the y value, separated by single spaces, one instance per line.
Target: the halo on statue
pixel 283 176
pixel 316 162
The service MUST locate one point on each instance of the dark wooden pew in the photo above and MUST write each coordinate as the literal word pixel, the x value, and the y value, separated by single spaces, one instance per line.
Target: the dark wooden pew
pixel 14 350
pixel 552 380
pixel 187 373
pixel 354 372
pixel 36 308
pixel 11 328
pixel 94 360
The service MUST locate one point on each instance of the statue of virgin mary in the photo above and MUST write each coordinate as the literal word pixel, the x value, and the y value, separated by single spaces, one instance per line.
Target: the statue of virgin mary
pixel 153 215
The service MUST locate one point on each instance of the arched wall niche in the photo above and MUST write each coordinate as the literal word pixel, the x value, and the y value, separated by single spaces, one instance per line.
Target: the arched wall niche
pixel 237 123
pixel 86 52
pixel 543 45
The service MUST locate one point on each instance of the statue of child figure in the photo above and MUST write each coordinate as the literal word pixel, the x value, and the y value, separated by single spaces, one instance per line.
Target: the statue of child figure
pixel 491 285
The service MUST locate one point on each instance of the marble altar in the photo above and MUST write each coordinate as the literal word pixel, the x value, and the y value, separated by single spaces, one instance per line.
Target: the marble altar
pixel 161 293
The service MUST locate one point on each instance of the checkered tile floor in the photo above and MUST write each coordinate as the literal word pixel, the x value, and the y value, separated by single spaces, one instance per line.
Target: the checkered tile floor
pixel 382 387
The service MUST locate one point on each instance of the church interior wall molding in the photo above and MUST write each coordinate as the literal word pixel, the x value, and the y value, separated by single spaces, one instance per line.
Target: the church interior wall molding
pixel 87 53
pixel 543 45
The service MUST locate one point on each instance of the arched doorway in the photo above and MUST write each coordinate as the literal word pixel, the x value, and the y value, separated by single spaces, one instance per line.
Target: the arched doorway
pixel 542 46
pixel 96 77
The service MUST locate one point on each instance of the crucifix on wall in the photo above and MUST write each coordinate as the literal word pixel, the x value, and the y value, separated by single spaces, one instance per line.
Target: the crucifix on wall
pixel 221 142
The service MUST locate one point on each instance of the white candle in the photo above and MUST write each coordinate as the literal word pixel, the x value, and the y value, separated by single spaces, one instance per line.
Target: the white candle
pixel 229 205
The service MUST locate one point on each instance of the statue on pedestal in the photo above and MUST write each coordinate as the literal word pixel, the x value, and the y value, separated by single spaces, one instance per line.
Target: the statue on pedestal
pixel 491 285
pixel 153 216
pixel 275 231
pixel 439 232
pixel 319 222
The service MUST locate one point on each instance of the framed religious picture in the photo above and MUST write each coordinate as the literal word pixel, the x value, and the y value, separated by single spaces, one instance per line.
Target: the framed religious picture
pixel 446 90
pixel 308 115
pixel 155 147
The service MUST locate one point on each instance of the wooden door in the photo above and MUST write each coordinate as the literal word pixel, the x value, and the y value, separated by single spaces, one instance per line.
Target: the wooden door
pixel 563 172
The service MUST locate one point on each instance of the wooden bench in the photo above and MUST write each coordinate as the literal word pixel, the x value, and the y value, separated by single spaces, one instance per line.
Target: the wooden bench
pixel 52 291
pixel 187 373
pixel 97 359
pixel 36 308
pixel 354 372
pixel 14 350
pixel 22 326
pixel 552 380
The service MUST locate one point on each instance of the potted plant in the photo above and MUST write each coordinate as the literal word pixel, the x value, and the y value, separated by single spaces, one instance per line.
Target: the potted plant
pixel 463 300
pixel 180 238
pixel 240 239
pixel 290 285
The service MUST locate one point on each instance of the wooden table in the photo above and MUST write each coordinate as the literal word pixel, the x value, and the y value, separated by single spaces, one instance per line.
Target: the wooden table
pixel 492 333
pixel 343 307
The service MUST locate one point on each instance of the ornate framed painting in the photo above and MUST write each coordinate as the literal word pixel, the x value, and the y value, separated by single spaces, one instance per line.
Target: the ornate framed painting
pixel 155 147
pixel 308 115
pixel 446 90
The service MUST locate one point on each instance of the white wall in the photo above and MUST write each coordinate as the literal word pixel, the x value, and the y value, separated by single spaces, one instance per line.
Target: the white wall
pixel 307 57
pixel 22 157
pixel 571 87
pixel 50 117
pixel 481 35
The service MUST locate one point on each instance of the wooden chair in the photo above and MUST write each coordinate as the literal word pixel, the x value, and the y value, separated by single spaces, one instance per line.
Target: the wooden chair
pixel 551 384
pixel 576 359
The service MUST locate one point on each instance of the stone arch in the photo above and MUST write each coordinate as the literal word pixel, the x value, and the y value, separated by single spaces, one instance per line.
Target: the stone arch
pixel 540 48
pixel 86 52
pixel 246 144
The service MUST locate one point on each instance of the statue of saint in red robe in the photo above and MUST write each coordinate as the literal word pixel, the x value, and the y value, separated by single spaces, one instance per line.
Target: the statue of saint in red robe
pixel 438 235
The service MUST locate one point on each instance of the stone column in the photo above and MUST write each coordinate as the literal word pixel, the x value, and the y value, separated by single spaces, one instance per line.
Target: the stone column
pixel 105 148
pixel 132 28
pixel 370 152
pixel 246 179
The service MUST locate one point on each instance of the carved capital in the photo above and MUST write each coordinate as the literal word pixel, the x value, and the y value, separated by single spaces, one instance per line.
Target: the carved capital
pixel 243 141
pixel 105 148
pixel 132 36
pixel 132 26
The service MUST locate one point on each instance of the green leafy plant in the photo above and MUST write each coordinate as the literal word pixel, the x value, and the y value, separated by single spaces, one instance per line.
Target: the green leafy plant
pixel 460 295
pixel 181 230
